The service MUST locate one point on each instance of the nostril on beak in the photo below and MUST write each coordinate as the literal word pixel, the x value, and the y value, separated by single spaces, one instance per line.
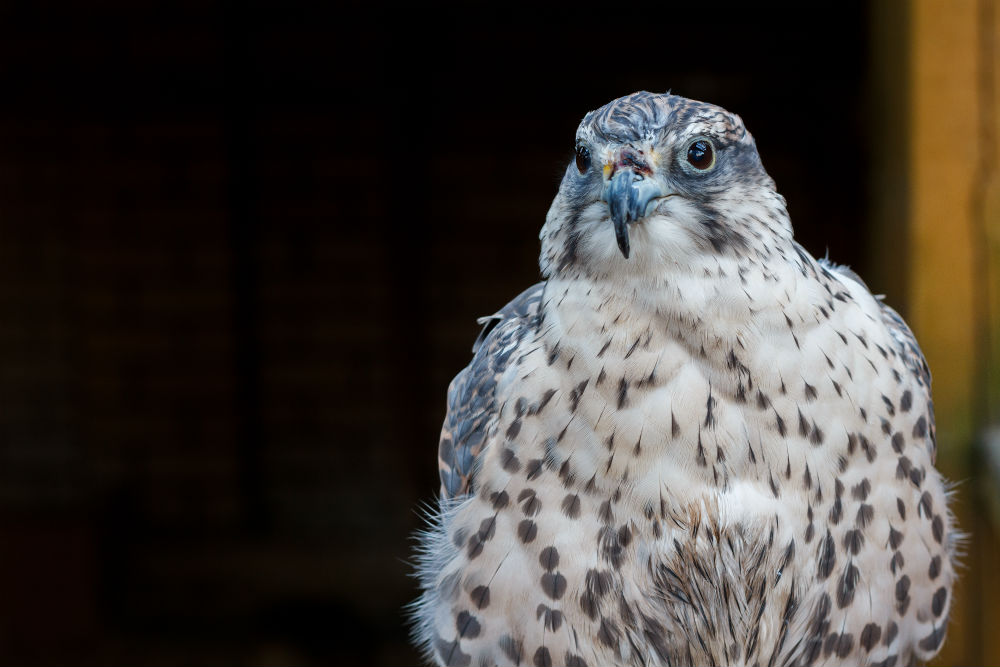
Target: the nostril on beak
pixel 628 195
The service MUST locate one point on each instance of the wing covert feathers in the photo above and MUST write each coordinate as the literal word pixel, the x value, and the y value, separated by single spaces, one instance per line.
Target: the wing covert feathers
pixel 472 408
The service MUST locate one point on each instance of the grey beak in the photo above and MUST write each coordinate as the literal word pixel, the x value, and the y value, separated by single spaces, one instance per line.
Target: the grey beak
pixel 628 194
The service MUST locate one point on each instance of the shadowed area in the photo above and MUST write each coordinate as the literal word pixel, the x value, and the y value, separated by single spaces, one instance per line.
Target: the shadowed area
pixel 242 251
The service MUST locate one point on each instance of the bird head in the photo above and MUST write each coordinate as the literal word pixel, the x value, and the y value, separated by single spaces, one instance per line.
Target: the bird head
pixel 659 178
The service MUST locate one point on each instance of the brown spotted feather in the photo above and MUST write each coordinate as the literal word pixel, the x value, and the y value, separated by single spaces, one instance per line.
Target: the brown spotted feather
pixel 693 443
pixel 472 394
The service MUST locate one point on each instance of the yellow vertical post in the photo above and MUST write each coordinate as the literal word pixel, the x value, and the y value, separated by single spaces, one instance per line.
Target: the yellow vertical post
pixel 987 228
pixel 951 147
pixel 944 131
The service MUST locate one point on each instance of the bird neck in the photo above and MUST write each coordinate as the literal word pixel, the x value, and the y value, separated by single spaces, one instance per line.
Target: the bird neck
pixel 710 304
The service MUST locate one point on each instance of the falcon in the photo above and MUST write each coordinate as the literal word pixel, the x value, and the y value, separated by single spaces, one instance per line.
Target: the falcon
pixel 692 443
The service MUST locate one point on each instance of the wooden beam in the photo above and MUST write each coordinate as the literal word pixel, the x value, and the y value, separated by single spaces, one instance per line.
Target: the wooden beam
pixel 952 263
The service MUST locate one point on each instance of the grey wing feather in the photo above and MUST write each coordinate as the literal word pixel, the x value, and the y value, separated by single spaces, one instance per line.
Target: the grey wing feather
pixel 905 346
pixel 472 394
pixel 913 358
pixel 844 271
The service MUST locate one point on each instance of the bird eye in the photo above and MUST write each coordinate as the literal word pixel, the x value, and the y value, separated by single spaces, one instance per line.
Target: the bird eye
pixel 582 158
pixel 701 155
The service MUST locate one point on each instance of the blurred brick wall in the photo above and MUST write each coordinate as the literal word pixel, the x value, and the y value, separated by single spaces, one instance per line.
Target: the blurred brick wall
pixel 241 253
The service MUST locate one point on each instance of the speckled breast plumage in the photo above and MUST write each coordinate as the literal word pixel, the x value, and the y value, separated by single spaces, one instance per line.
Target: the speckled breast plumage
pixel 737 469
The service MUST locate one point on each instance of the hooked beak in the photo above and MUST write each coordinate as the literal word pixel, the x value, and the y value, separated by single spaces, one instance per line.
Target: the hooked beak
pixel 629 194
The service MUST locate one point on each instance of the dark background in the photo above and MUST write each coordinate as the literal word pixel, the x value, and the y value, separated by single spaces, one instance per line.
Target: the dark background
pixel 242 250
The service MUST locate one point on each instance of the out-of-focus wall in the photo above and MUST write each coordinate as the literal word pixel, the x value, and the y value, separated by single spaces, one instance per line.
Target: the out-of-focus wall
pixel 243 246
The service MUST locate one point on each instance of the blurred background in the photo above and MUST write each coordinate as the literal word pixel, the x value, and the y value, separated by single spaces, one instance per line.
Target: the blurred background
pixel 243 247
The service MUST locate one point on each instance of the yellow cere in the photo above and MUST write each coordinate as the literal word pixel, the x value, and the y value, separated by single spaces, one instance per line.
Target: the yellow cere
pixel 607 170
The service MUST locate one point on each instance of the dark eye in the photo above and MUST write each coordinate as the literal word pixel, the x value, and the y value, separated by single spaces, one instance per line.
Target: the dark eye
pixel 582 158
pixel 700 155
